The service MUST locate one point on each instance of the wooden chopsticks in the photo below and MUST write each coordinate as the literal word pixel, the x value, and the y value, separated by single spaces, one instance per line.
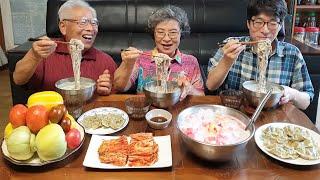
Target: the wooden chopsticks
pixel 249 42
pixel 143 53
pixel 38 39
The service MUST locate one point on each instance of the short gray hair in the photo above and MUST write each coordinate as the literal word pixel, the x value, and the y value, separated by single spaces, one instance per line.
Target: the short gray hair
pixel 70 4
pixel 168 13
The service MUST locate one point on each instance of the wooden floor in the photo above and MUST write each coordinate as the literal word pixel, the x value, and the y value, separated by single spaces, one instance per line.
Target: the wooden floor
pixel 5 97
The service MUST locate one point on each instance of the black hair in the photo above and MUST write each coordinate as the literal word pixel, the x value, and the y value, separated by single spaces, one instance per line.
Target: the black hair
pixel 275 8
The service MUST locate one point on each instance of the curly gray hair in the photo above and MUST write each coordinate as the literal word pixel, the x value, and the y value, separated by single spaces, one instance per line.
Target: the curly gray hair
pixel 168 13
pixel 64 12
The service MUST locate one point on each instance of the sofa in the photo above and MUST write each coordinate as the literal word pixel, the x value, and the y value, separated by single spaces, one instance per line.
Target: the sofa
pixel 123 24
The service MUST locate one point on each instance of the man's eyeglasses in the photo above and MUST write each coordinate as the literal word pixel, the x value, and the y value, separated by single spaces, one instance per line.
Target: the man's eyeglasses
pixel 83 22
pixel 272 25
pixel 162 34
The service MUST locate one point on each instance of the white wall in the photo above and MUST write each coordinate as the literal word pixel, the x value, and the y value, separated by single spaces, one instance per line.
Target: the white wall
pixel 28 19
pixel 7 23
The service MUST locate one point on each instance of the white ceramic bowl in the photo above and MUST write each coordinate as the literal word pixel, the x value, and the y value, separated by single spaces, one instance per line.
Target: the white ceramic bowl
pixel 158 113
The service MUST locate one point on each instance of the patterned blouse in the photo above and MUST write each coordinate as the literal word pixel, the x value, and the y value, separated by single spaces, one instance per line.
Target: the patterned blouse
pixel 182 64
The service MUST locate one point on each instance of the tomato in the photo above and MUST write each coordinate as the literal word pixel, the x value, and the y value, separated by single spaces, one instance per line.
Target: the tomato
pixel 73 138
pixel 65 123
pixel 57 113
pixel 73 122
pixel 17 115
pixel 37 118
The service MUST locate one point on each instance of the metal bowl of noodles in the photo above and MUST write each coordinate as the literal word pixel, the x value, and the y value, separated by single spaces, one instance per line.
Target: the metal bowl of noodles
pixel 250 90
pixel 208 150
pixel 75 99
pixel 162 98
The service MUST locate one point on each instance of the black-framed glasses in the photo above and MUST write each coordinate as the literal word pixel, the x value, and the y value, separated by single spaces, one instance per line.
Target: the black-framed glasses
pixel 171 34
pixel 83 22
pixel 272 25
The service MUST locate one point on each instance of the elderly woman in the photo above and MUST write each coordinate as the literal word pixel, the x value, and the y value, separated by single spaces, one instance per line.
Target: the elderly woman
pixel 167 26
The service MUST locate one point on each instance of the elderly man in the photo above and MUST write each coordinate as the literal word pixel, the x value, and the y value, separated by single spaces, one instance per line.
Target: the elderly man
pixel 47 61
pixel 231 65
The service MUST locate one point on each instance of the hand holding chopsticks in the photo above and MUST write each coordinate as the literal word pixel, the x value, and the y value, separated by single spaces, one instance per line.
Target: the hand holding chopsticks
pixel 42 49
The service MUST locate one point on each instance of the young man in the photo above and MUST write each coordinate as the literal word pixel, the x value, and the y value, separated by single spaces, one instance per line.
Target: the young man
pixel 47 61
pixel 232 64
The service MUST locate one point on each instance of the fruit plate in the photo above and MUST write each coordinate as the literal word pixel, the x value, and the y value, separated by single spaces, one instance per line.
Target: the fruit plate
pixel 104 111
pixel 35 160
pixel 298 161
pixel 91 159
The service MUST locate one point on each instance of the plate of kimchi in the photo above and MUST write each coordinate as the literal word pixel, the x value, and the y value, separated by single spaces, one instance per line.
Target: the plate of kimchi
pixel 140 150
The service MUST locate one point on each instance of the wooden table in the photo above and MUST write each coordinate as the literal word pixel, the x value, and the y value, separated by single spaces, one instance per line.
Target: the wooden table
pixel 250 163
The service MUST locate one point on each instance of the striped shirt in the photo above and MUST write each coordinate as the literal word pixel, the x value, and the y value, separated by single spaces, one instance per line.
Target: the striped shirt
pixel 286 66
pixel 144 70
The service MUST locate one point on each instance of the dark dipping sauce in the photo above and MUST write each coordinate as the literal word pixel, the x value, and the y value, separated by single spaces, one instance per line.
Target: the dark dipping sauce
pixel 158 119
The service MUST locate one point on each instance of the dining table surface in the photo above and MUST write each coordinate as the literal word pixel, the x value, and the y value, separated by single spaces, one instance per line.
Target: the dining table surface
pixel 248 163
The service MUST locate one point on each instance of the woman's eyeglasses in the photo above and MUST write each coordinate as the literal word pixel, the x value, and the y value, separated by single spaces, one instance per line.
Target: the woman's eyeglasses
pixel 162 34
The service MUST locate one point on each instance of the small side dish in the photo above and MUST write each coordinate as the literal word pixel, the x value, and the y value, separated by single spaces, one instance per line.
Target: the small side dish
pixel 158 118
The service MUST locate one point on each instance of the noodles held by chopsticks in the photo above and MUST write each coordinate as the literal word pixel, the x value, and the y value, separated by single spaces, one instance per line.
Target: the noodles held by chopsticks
pixel 264 49
pixel 76 47
pixel 163 62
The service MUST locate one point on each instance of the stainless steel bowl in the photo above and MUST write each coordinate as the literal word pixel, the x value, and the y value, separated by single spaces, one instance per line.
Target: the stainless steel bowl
pixel 75 99
pixel 161 99
pixel 208 151
pixel 254 98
